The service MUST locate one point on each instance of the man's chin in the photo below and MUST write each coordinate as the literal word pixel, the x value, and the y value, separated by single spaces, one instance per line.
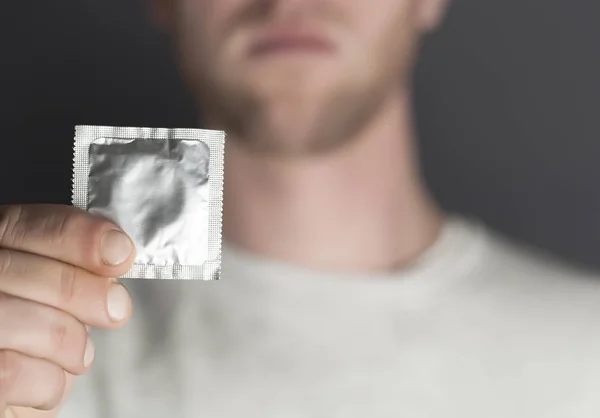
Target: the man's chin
pixel 290 143
pixel 277 149
pixel 290 119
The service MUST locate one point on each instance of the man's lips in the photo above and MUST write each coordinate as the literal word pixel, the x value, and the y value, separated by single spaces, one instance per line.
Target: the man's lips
pixel 287 41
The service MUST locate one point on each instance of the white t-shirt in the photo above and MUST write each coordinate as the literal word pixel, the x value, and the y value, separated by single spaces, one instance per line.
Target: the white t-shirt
pixel 479 327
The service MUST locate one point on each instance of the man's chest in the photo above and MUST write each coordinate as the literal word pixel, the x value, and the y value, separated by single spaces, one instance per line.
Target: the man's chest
pixel 252 368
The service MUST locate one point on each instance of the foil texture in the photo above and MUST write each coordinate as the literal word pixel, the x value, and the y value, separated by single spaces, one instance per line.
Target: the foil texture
pixel 163 187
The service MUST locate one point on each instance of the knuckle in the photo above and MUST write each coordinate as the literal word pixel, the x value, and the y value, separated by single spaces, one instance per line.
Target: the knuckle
pixel 56 226
pixel 10 224
pixel 5 262
pixel 57 336
pixel 68 281
pixel 5 313
pixel 56 385
pixel 10 371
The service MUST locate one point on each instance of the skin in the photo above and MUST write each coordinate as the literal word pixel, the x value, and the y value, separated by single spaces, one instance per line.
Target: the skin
pixel 320 151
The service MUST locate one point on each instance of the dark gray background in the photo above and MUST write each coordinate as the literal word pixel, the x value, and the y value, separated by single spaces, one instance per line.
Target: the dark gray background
pixel 507 99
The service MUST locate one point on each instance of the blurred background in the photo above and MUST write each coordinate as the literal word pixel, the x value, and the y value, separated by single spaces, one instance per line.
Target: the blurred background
pixel 507 103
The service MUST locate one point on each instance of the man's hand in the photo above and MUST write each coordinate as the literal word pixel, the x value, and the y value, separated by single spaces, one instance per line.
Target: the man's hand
pixel 57 266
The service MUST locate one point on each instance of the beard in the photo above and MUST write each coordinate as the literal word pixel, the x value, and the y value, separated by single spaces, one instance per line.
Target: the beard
pixel 294 124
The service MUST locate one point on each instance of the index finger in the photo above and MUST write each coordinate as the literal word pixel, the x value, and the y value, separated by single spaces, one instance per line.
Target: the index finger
pixel 67 234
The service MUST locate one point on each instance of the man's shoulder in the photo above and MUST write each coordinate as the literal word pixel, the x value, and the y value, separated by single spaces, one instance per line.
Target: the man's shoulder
pixel 533 281
pixel 531 319
pixel 529 264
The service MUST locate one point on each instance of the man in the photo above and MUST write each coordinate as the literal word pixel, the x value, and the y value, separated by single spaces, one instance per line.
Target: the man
pixel 345 292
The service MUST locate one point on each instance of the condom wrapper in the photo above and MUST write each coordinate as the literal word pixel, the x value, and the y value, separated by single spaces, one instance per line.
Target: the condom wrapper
pixel 163 187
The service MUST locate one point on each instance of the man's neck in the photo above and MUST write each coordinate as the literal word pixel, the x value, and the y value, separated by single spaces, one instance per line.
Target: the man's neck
pixel 360 208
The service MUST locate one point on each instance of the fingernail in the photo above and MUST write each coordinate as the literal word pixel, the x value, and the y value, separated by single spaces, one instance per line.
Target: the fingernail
pixel 115 247
pixel 118 302
pixel 90 352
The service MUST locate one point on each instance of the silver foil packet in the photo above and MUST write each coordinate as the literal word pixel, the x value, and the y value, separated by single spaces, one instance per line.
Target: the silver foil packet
pixel 164 187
